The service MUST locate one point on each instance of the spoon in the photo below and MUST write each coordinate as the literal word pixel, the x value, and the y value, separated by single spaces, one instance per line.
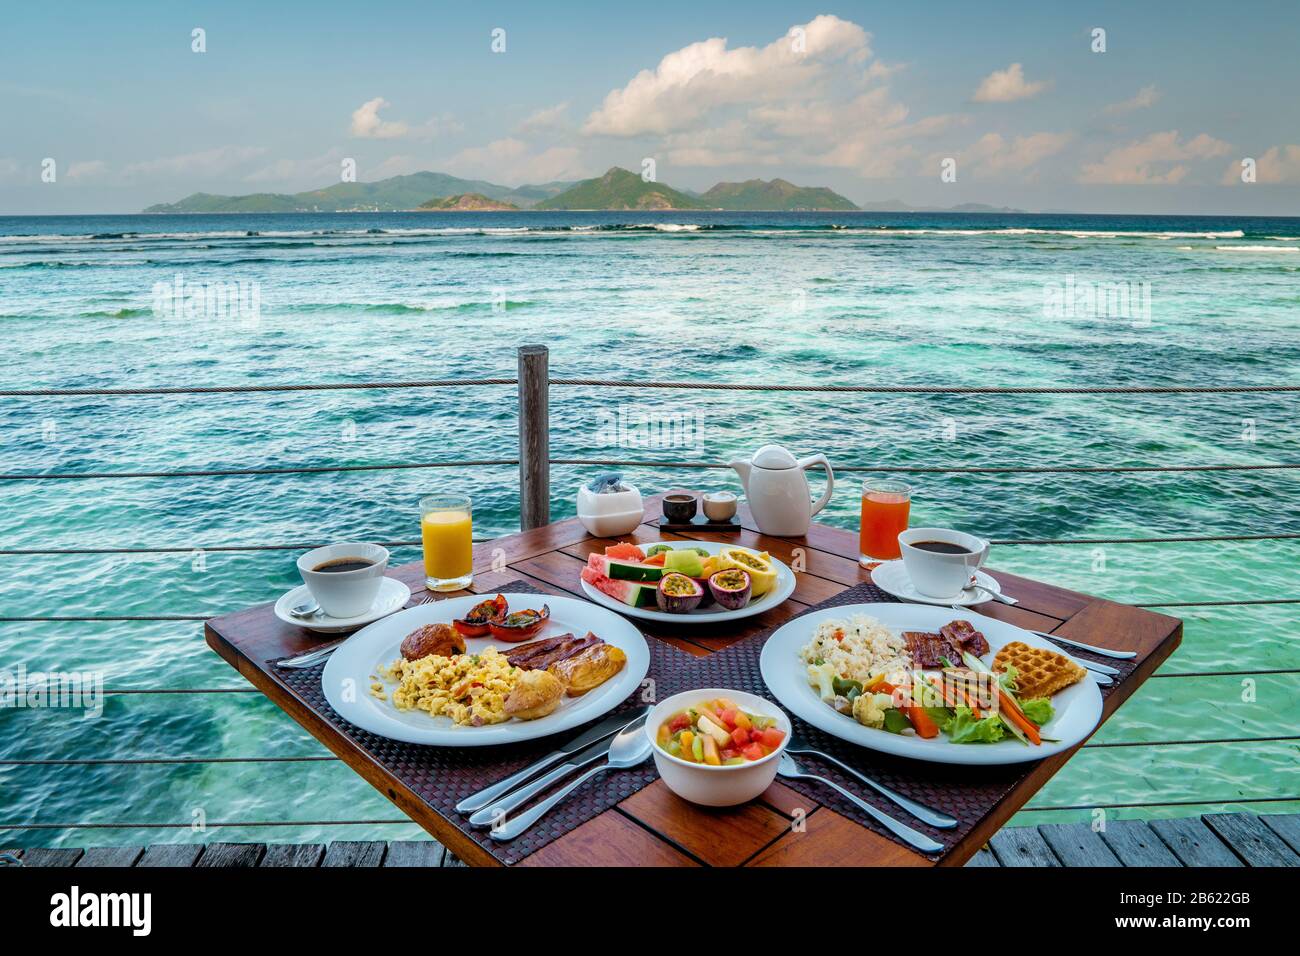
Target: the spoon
pixel 789 769
pixel 307 608
pixel 630 747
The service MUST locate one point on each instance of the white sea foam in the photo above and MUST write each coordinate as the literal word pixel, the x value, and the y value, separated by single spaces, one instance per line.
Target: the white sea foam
pixel 1258 248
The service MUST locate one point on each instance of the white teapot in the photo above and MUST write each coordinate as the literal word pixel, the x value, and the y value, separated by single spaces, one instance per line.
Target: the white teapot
pixel 777 490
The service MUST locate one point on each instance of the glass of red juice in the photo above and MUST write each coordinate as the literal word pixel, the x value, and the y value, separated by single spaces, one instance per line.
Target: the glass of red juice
pixel 886 504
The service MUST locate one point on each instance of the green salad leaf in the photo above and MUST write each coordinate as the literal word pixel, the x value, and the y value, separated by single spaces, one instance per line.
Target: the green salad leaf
pixel 1039 710
pixel 963 728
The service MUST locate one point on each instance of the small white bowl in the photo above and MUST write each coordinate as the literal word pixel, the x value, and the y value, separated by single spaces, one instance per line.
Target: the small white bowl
pixel 716 786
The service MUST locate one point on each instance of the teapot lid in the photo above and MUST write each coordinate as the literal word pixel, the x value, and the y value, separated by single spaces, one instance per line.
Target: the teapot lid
pixel 773 457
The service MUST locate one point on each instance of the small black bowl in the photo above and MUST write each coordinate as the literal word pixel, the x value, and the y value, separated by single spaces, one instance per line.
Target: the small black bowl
pixel 680 509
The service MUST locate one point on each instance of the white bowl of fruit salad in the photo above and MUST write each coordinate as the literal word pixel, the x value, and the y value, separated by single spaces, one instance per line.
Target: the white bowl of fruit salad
pixel 717 747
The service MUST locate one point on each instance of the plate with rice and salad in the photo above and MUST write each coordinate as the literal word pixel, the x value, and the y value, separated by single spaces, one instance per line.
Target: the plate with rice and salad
pixel 928 683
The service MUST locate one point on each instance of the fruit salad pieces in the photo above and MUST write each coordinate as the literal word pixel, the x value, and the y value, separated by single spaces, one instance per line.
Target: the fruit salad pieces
pixel 719 734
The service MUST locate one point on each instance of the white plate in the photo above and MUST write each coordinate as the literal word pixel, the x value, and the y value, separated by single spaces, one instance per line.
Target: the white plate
pixel 1078 707
pixel 392 595
pixel 347 676
pixel 893 578
pixel 784 588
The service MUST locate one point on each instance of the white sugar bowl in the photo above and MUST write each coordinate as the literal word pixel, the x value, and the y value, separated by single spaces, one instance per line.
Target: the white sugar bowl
pixel 609 514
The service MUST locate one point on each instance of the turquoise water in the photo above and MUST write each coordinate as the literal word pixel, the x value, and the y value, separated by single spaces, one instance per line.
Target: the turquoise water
pixel 772 298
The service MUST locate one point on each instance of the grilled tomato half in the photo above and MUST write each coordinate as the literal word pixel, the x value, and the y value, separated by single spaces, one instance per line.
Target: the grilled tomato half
pixel 478 621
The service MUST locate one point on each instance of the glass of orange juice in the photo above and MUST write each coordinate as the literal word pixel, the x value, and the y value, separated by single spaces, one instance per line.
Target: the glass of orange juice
pixel 885 507
pixel 446 528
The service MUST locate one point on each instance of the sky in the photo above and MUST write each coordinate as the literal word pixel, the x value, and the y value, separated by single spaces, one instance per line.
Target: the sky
pixel 935 103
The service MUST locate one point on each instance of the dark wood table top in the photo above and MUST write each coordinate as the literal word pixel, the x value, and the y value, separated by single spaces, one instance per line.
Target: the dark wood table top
pixel 655 827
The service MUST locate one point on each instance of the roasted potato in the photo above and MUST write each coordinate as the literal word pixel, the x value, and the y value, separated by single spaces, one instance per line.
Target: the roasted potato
pixel 537 694
pixel 589 668
pixel 441 639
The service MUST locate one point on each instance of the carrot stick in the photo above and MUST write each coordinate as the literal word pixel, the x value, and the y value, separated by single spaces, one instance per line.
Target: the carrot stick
pixel 1012 710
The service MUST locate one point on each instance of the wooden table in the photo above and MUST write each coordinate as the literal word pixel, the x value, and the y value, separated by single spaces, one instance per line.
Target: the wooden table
pixel 654 827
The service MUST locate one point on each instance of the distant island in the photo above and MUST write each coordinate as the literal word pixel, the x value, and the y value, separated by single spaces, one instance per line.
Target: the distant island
pixel 466 202
pixel 617 190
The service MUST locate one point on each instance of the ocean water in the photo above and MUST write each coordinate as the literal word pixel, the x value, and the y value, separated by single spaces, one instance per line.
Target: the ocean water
pixel 755 298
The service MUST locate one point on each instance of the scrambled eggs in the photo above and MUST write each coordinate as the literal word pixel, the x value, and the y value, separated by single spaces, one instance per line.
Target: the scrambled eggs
pixel 471 689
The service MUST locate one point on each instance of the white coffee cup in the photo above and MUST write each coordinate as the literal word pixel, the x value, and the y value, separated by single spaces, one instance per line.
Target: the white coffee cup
pixel 344 594
pixel 938 574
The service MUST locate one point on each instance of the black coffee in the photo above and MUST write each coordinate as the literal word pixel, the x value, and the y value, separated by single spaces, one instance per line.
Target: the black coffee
pixel 941 547
pixel 343 564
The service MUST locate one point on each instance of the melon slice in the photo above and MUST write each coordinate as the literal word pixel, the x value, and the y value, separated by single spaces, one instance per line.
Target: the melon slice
pixel 631 593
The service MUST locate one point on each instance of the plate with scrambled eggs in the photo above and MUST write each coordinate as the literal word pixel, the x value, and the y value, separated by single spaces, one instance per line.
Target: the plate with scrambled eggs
pixel 416 677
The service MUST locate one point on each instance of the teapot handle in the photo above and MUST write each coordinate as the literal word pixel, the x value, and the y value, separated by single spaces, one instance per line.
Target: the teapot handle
pixel 813 461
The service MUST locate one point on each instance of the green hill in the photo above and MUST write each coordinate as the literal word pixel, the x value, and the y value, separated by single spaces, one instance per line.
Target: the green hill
pixel 755 194
pixel 466 202
pixel 398 194
pixel 620 189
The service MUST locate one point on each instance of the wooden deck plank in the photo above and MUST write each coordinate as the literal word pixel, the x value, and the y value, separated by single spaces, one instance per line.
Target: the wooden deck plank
pixel 1193 842
pixel 408 853
pixel 354 853
pixel 1077 845
pixel 231 855
pixel 300 855
pixel 748 828
pixel 1251 840
pixel 983 857
pixel 42 856
pixel 1136 844
pixel 170 854
pixel 108 856
pixel 1285 825
pixel 610 839
pixel 450 859
pixel 1022 846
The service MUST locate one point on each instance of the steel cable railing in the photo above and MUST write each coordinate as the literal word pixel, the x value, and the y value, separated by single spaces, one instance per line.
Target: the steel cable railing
pixel 307 546
pixel 632 383
pixel 228 824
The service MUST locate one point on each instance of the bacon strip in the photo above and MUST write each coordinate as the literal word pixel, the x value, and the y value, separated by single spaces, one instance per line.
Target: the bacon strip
pixel 539 655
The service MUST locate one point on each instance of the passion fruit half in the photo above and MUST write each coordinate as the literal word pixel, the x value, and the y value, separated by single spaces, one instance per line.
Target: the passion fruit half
pixel 678 594
pixel 731 588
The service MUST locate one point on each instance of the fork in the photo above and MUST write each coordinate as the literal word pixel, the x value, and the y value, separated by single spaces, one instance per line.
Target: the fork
pixel 789 769
pixel 942 821
pixel 317 654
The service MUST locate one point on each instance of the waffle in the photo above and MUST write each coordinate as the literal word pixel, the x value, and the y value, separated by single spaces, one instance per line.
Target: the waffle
pixel 1039 672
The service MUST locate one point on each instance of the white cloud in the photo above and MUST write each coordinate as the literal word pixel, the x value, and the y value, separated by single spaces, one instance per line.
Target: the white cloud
pixel 1145 97
pixel 366 123
pixel 309 172
pixel 1160 159
pixel 1006 86
pixel 992 154
pixel 208 162
pixel 513 161
pixel 826 104
pixel 548 118
pixel 690 83
pixel 1278 165
pixel 87 170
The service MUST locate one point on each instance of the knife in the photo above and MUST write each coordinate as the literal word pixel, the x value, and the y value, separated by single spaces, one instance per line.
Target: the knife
pixel 606 728
pixel 490 814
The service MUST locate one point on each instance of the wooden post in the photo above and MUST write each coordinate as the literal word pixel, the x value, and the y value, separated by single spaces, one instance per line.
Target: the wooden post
pixel 534 437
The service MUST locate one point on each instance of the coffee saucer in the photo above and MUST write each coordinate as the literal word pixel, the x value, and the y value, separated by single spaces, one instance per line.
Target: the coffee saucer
pixel 892 577
pixel 393 595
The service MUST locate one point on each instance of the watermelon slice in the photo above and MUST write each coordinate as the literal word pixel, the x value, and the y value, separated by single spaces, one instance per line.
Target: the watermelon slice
pixel 626 551
pixel 631 593
pixel 621 570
